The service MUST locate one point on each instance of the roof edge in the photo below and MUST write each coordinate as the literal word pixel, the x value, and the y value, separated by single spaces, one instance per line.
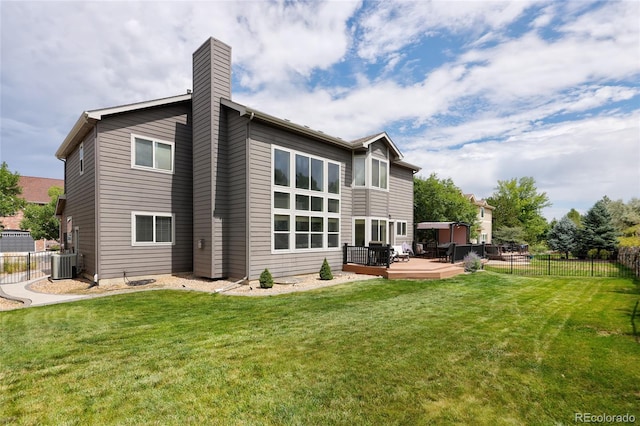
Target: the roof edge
pixel 254 113
pixel 89 118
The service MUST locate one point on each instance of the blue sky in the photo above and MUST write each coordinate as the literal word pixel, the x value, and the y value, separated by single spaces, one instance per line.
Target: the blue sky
pixel 477 91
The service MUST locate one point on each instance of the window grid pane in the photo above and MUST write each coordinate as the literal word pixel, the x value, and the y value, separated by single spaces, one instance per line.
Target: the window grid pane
pixel 317 175
pixel 334 178
pixel 302 172
pixel 383 175
pixel 144 229
pixel 375 173
pixel 163 156
pixel 144 153
pixel 281 168
pixel 163 229
pixel 359 171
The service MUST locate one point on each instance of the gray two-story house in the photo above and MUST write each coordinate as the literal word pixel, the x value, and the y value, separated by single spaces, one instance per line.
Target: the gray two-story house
pixel 199 183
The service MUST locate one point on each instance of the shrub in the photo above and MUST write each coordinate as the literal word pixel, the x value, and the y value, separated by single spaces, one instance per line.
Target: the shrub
pixel 325 271
pixel 472 262
pixel 605 254
pixel 266 280
pixel 592 254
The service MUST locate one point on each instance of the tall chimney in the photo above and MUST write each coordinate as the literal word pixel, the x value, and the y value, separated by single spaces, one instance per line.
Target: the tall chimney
pixel 211 81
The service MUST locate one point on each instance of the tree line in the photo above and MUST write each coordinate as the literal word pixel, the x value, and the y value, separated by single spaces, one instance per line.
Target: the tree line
pixel 518 219
pixel 39 219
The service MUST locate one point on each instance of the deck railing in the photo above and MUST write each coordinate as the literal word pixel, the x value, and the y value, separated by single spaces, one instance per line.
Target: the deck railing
pixel 367 255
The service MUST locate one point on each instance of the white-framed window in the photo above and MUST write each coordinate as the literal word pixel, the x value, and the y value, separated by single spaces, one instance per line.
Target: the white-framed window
pixel 305 201
pixel 483 237
pixel 152 154
pixel 152 229
pixel 367 229
pixel 359 170
pixel 379 173
pixel 370 172
pixel 401 228
pixel 81 154
pixel 481 211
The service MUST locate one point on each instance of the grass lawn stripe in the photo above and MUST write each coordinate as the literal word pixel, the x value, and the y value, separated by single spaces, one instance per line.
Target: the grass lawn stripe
pixel 482 349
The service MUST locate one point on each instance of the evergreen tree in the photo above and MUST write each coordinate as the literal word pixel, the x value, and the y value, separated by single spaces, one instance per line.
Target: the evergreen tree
pixel 598 231
pixel 563 236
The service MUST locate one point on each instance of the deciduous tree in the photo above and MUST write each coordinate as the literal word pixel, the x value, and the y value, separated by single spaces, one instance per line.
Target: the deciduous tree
pixel 10 202
pixel 41 220
pixel 440 200
pixel 519 204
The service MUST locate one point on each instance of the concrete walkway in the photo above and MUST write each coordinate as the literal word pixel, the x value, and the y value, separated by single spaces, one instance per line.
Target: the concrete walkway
pixel 22 293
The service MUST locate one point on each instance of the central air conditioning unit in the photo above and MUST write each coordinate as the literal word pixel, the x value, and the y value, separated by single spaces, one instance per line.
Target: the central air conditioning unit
pixel 63 266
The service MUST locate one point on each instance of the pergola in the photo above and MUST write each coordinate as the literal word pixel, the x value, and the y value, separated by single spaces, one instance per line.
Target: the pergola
pixel 448 232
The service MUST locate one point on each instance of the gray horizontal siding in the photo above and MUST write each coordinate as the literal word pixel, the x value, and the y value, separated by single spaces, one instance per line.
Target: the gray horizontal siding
pixel 401 198
pixel 81 202
pixel 378 203
pixel 262 137
pixel 235 237
pixel 123 190
pixel 379 149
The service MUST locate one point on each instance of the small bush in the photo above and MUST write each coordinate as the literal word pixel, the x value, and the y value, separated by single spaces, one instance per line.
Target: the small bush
pixel 325 271
pixel 605 254
pixel 592 254
pixel 266 280
pixel 472 262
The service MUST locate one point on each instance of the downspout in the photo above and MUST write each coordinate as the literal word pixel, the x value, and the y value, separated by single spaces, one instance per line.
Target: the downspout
pixel 96 239
pixel 247 194
pixel 60 233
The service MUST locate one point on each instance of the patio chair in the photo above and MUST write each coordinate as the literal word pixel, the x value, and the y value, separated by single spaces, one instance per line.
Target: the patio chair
pixel 399 254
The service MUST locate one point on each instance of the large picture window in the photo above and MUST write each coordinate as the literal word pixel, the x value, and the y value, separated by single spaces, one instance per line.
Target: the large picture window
pixel 152 154
pixel 152 228
pixel 305 208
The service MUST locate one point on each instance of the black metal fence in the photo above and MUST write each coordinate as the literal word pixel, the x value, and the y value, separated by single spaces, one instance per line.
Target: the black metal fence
pixel 459 251
pixel 15 268
pixel 368 255
pixel 559 265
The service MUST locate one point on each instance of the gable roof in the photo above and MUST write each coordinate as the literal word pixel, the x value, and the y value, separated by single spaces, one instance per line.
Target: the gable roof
pixel 88 119
pixel 36 189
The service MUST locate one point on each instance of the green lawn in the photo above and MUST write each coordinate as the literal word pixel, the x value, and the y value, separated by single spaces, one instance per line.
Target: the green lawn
pixel 476 349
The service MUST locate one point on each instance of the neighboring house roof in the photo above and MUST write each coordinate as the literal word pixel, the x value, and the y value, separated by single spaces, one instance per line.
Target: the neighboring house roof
pixel 88 119
pixel 479 202
pixel 36 189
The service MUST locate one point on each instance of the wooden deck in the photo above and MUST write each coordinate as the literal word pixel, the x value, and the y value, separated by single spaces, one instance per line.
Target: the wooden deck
pixel 415 268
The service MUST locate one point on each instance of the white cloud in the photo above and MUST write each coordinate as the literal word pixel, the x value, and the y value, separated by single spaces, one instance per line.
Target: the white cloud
pixel 548 107
pixel 391 26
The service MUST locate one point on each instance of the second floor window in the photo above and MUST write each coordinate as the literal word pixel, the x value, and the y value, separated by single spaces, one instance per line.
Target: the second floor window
pixel 152 154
